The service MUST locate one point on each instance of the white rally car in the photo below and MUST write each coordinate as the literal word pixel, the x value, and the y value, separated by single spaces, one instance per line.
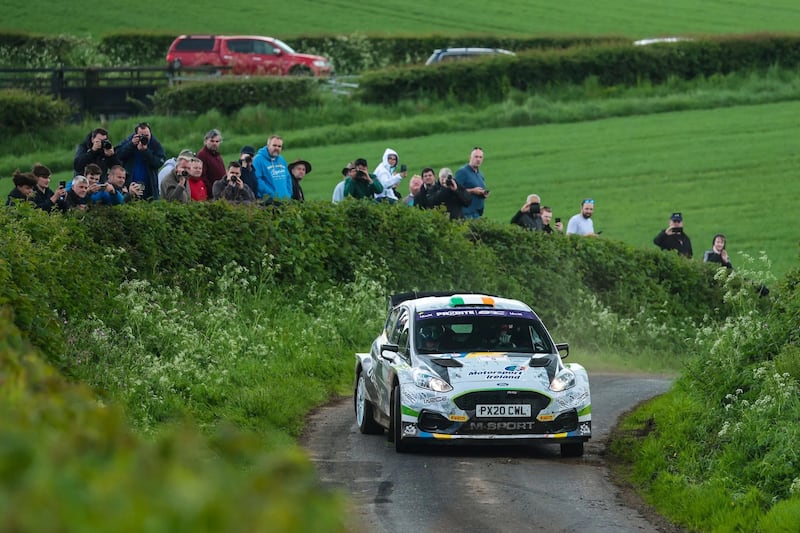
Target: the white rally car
pixel 470 368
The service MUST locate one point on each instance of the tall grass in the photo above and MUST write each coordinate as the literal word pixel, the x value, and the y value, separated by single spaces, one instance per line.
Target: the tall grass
pixel 721 452
pixel 241 350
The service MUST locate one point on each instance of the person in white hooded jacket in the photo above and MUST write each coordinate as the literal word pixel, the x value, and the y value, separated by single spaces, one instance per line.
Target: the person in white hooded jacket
pixel 385 172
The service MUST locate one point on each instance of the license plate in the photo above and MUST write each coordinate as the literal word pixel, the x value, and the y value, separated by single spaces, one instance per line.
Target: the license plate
pixel 510 410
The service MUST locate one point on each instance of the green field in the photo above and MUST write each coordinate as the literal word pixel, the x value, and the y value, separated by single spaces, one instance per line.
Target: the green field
pixel 727 170
pixel 638 18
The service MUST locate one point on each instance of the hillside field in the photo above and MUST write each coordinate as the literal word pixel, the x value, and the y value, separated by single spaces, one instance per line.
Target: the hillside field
pixel 729 171
pixel 638 18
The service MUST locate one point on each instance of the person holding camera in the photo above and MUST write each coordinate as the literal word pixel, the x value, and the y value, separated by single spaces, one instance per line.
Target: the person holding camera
pixel 469 177
pixel 43 196
pixel 425 194
pixel 529 215
pixel 385 172
pixel 547 216
pixel 362 184
pixel 233 188
pixel 95 149
pixel 450 194
pixel 142 155
pixel 175 187
pixel 673 237
pixel 246 155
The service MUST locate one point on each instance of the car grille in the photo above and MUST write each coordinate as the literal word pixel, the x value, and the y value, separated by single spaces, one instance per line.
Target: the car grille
pixel 467 402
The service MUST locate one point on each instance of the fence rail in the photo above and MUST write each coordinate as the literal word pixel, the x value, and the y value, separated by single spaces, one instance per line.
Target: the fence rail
pixel 103 90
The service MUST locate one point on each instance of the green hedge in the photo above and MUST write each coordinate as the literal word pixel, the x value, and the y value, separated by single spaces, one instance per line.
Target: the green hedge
pixel 137 48
pixel 230 95
pixel 21 111
pixel 355 53
pixel 324 243
pixel 493 78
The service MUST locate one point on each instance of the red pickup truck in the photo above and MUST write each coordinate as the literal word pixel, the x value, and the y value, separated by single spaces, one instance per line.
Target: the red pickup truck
pixel 245 54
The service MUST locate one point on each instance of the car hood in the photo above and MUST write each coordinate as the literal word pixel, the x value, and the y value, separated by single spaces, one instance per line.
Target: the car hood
pixel 311 57
pixel 492 369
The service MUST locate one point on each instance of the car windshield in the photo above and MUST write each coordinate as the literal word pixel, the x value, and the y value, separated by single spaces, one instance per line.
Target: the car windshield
pixel 508 331
pixel 286 47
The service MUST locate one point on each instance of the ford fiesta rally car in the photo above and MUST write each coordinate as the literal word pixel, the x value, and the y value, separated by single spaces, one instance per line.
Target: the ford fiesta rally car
pixel 470 368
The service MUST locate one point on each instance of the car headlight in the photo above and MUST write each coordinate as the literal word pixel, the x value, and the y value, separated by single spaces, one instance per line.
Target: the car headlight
pixel 564 380
pixel 426 380
pixel 320 63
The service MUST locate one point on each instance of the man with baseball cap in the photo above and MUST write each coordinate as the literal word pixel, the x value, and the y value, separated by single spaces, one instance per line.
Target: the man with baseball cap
pixel 673 237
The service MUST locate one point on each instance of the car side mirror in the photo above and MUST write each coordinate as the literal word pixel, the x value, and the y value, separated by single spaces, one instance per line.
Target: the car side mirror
pixel 389 351
pixel 563 349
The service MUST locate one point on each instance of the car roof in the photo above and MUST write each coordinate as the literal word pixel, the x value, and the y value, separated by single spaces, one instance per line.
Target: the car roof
pixel 213 36
pixel 473 50
pixel 451 300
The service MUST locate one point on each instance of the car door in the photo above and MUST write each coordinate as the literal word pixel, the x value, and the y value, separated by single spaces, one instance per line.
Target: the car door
pixel 396 333
pixel 240 56
pixel 269 57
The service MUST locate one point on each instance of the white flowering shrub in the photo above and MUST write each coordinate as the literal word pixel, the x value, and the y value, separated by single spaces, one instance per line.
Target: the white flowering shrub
pixel 238 350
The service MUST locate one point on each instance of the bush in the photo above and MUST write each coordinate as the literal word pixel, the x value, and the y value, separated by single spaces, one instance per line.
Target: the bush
pixel 610 64
pixel 137 48
pixel 26 50
pixel 21 111
pixel 230 95
pixel 62 450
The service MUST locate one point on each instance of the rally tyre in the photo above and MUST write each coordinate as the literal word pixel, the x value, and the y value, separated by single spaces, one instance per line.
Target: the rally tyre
pixel 396 428
pixel 364 415
pixel 572 449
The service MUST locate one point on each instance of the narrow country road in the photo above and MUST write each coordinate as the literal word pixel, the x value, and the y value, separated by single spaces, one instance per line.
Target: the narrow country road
pixel 480 488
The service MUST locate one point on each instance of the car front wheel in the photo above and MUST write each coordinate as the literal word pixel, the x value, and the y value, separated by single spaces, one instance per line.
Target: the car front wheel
pixel 396 429
pixel 364 415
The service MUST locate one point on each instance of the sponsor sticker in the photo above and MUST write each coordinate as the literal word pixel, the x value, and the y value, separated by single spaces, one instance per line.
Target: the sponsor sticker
pixel 458 418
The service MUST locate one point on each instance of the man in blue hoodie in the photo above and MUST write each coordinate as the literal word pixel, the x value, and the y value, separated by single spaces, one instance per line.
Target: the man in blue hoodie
pixel 272 172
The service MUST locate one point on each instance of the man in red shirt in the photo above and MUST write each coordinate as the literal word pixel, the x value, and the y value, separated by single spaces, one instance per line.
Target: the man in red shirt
pixel 213 165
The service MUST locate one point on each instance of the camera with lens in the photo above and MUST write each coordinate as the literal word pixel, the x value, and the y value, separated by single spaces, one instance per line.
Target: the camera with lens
pixel 183 173
pixel 144 139
pixel 361 175
pixel 536 208
pixel 105 144
pixel 247 159
pixel 449 180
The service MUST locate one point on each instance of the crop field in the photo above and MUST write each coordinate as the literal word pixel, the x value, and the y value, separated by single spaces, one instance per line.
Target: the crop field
pixel 636 18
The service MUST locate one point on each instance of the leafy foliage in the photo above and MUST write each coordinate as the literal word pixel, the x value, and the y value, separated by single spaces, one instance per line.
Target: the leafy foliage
pixel 720 454
pixel 230 95
pixel 21 110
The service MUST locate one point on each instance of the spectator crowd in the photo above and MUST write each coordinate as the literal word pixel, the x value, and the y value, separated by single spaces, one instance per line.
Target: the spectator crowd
pixel 137 169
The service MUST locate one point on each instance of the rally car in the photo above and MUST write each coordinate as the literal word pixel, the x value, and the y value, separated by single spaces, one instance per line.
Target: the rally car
pixel 470 368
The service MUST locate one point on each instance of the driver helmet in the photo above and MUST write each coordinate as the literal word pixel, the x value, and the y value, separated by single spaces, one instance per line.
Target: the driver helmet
pixel 430 333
